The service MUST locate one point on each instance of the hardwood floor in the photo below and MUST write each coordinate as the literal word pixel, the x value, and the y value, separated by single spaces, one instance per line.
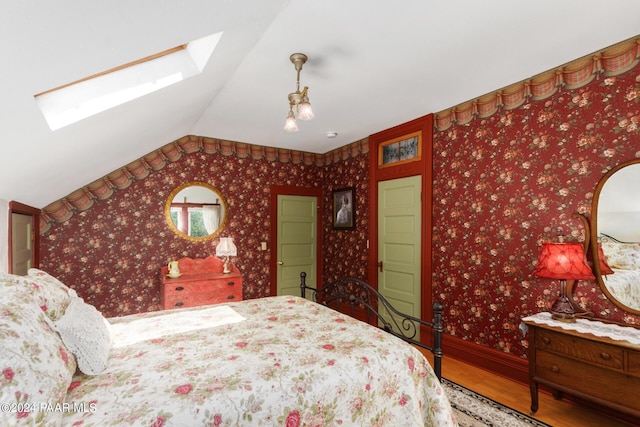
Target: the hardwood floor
pixel 558 413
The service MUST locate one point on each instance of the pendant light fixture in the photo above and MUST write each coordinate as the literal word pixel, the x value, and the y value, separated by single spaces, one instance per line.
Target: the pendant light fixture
pixel 298 101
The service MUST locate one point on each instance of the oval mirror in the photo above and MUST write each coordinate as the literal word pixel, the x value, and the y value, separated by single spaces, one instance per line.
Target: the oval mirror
pixel 615 226
pixel 196 211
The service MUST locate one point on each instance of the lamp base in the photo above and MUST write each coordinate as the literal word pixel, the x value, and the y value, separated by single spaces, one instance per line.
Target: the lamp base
pixel 562 310
pixel 580 313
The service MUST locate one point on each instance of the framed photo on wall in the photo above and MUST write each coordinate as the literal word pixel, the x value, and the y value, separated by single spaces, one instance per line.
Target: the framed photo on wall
pixel 404 149
pixel 344 214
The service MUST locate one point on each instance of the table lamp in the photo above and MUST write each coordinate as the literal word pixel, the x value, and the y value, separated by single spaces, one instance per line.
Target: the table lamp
pixel 225 249
pixel 563 261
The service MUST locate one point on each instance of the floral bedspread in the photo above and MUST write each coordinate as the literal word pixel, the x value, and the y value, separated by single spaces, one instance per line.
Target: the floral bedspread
pixel 277 361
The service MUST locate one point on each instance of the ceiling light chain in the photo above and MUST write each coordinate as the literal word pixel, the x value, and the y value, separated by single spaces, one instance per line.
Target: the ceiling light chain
pixel 298 99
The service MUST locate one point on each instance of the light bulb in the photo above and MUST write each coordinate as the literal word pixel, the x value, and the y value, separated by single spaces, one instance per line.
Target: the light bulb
pixel 290 124
pixel 304 110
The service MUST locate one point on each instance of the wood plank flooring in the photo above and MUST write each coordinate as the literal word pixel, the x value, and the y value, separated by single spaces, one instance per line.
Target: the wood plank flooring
pixel 558 413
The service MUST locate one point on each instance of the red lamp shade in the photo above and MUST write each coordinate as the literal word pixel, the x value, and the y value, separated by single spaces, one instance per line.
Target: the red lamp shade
pixel 604 267
pixel 563 261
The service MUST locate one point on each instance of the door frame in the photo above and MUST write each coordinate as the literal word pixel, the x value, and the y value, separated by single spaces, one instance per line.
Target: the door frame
pixel 421 167
pixel 20 208
pixel 287 190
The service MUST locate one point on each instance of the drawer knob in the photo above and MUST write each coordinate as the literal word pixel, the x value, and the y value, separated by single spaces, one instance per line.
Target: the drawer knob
pixel 231 283
pixel 555 369
pixel 546 340
pixel 231 297
pixel 605 356
pixel 179 288
pixel 179 304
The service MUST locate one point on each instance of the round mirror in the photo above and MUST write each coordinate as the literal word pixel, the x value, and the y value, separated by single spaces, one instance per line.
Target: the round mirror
pixel 196 211
pixel 615 235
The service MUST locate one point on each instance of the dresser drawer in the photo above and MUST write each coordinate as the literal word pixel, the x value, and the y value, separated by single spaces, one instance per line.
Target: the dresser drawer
pixel 203 286
pixel 582 349
pixel 185 299
pixel 634 363
pixel 597 382
pixel 191 290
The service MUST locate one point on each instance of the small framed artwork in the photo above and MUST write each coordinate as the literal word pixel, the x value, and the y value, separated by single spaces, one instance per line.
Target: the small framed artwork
pixel 404 149
pixel 344 214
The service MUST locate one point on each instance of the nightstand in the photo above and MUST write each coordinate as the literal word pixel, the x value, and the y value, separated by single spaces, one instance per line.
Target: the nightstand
pixel 590 359
pixel 201 283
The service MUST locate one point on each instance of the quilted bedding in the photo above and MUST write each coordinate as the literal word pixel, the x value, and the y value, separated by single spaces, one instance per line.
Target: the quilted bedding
pixel 277 361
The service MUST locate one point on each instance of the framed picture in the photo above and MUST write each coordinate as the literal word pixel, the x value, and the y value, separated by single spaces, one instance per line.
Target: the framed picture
pixel 404 149
pixel 344 214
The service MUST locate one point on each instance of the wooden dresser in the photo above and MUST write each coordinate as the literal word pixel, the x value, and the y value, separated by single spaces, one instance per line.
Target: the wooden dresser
pixel 201 283
pixel 591 366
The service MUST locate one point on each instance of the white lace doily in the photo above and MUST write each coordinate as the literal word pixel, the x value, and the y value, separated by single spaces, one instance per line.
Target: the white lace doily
pixel 594 327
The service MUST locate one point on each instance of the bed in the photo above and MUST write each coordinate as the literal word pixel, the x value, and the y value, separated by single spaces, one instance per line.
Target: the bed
pixel 360 300
pixel 281 360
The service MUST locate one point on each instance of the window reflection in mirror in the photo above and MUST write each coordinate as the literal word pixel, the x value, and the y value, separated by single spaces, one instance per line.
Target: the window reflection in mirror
pixel 196 211
pixel 619 205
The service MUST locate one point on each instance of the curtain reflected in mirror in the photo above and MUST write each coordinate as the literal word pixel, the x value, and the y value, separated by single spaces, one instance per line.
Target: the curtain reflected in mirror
pixel 196 211
pixel 615 227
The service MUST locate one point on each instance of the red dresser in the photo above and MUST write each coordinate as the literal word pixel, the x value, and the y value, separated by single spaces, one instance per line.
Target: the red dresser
pixel 201 283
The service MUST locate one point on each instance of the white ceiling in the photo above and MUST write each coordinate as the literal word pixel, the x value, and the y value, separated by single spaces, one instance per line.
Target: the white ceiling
pixel 372 65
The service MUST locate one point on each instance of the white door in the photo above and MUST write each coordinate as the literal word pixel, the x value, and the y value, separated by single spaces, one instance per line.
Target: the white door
pixel 297 242
pixel 21 243
pixel 399 243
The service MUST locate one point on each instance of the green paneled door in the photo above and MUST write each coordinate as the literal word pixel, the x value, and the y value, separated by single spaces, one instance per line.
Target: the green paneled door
pixel 399 234
pixel 297 242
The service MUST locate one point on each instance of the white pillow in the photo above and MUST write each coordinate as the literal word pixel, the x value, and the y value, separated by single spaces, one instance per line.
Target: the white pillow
pixel 51 294
pixel 85 332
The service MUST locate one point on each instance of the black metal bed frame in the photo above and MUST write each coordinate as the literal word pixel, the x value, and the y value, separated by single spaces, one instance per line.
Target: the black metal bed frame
pixel 607 238
pixel 349 295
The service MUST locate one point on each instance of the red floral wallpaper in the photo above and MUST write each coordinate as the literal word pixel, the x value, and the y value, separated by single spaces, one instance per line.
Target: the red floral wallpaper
pixel 110 249
pixel 504 184
pixel 346 252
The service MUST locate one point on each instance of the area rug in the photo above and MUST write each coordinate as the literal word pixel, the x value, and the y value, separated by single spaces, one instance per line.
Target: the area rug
pixel 475 410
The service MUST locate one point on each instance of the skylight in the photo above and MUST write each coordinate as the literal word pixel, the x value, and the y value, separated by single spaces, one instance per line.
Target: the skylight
pixel 78 100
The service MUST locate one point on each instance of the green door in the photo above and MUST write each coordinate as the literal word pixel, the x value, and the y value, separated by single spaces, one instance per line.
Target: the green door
pixel 399 234
pixel 297 242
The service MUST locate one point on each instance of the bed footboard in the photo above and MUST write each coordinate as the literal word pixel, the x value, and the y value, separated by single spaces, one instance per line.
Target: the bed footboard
pixel 357 298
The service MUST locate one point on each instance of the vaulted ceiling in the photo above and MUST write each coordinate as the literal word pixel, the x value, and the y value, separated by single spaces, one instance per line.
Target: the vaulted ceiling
pixel 372 65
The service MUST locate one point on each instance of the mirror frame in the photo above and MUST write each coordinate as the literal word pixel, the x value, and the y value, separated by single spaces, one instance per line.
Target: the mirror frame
pixel 172 226
pixel 594 236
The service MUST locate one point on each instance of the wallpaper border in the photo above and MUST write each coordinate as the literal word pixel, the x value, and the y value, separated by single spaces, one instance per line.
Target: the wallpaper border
pixel 120 179
pixel 611 61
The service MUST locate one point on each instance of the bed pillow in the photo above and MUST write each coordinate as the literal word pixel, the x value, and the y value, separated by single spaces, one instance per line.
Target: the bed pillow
pixel 625 256
pixel 85 332
pixel 52 295
pixel 35 366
